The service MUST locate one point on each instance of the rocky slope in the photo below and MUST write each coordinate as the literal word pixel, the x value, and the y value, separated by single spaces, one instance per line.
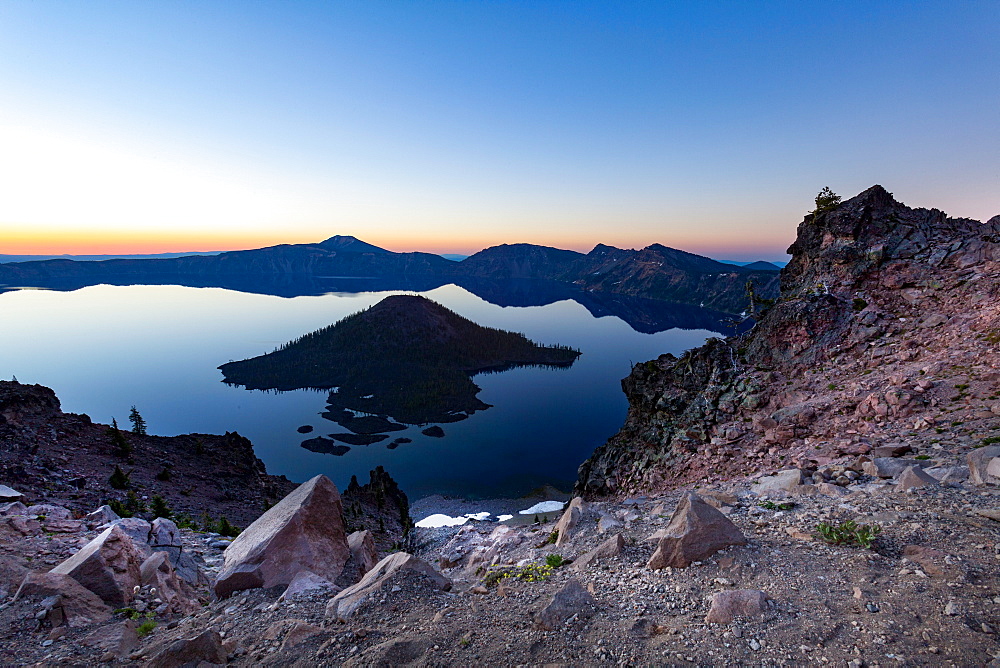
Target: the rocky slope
pixel 886 332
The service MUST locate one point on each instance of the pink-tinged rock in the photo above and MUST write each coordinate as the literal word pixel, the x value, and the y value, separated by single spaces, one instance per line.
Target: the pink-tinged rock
pixel 8 494
pixel 300 633
pixel 102 515
pixel 782 481
pixel 108 566
pixel 927 558
pixel 571 600
pixel 363 550
pixel 118 639
pixel 75 605
pixel 993 468
pixel 13 508
pixel 157 571
pixel 979 462
pixel 303 532
pixel 567 524
pixel 727 605
pixel 344 604
pixel 50 511
pixel 204 648
pixel 913 477
pixel 696 531
pixel 612 547
pixel 305 583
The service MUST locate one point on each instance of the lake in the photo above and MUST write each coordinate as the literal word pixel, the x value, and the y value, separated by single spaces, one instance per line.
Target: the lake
pixel 104 348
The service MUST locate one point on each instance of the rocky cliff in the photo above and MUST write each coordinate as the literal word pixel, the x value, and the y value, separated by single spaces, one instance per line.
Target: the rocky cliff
pixel 886 330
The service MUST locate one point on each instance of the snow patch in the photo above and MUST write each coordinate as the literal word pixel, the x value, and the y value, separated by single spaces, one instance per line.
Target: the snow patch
pixel 543 507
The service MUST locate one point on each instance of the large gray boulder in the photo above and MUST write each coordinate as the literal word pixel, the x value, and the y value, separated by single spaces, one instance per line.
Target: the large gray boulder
pixel 979 462
pixel 108 566
pixel 363 552
pixel 344 604
pixel 303 532
pixel 205 648
pixel 696 531
pixel 8 494
pixel 913 477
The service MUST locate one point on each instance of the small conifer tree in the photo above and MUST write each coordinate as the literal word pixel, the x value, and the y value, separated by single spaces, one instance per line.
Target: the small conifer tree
pixel 119 479
pixel 159 507
pixel 138 424
pixel 826 200
pixel 118 441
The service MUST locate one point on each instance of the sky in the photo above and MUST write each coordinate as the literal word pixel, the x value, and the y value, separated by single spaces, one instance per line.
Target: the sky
pixel 452 126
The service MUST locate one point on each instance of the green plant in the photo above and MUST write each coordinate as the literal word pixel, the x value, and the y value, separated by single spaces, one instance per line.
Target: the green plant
pixel 227 529
pixel 554 560
pixel 553 537
pixel 771 505
pixel 130 613
pixel 164 475
pixel 145 628
pixel 119 508
pixel 119 479
pixel 528 573
pixel 990 440
pixel 859 304
pixel 922 457
pixel 119 443
pixel 826 200
pixel 138 424
pixel 160 507
pixel 849 532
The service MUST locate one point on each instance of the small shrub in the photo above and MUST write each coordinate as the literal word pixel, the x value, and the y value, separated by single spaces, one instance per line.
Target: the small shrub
pixel 859 304
pixel 554 560
pixel 145 628
pixel 771 505
pixel 164 475
pixel 119 508
pixel 922 457
pixel 553 537
pixel 990 440
pixel 826 200
pixel 134 504
pixel 227 529
pixel 849 533
pixel 529 573
pixel 119 443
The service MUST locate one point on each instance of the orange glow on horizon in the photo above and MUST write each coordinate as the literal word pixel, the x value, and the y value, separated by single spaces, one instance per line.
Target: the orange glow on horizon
pixel 113 242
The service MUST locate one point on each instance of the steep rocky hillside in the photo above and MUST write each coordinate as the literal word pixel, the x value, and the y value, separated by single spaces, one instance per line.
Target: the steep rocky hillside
pixel 886 331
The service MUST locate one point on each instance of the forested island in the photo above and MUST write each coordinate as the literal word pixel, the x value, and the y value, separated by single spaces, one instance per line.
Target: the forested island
pixel 406 358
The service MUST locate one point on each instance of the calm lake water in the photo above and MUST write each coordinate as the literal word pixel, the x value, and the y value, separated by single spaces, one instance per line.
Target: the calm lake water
pixel 104 348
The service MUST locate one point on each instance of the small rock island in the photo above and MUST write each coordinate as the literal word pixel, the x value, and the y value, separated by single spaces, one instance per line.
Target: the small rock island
pixel 405 360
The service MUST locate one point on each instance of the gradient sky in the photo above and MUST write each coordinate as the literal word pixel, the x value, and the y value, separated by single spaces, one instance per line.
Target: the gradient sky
pixel 451 126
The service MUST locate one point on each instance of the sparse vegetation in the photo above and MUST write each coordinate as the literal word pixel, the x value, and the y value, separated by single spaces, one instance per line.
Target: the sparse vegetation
pixel 771 505
pixel 159 507
pixel 849 532
pixel 529 573
pixel 145 628
pixel 119 443
pixel 554 560
pixel 826 200
pixel 119 479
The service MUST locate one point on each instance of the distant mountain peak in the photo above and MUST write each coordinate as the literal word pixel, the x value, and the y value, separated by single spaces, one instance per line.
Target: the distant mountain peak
pixel 350 244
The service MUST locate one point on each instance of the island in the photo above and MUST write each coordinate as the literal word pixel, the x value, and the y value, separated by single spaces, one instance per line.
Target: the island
pixel 407 360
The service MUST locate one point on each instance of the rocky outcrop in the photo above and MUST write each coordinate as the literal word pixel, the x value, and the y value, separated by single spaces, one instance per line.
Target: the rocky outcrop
pixel 69 602
pixel 727 605
pixel 570 601
pixel 872 288
pixel 303 532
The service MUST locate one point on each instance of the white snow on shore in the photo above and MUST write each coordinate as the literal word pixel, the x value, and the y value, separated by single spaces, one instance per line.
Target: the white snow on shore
pixel 543 507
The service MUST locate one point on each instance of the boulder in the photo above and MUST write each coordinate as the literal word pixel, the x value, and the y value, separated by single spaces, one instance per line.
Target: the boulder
pixel 74 605
pixel 726 605
pixel 993 468
pixel 828 489
pixel 305 583
pixel 299 633
pixel 108 566
pixel 363 552
pixel 119 638
pixel 571 517
pixel 136 528
pixel 891 451
pixel 979 461
pixel 612 547
pixel 913 477
pixel 204 648
pixel 782 481
pixel 696 531
pixel 395 652
pixel 102 515
pixel 608 523
pixel 303 532
pixel 571 600
pixel 50 511
pixel 157 571
pixel 344 604
pixel 927 558
pixel 13 508
pixel 887 467
pixel 9 495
